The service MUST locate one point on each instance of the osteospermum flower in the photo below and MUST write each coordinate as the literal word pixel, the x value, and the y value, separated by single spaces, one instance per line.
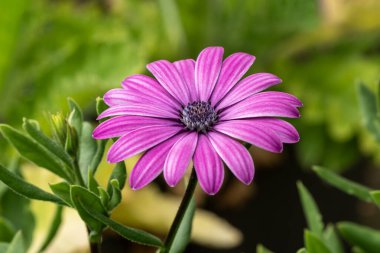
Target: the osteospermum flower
pixel 197 110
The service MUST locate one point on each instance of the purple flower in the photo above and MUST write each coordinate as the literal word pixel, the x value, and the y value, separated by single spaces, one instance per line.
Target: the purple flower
pixel 195 110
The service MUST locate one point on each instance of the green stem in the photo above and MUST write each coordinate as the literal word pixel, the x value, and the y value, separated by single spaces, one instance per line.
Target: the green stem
pixel 95 245
pixel 180 213
pixel 95 248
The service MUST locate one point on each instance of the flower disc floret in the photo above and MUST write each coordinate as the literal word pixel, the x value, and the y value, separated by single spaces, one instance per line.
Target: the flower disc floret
pixel 199 116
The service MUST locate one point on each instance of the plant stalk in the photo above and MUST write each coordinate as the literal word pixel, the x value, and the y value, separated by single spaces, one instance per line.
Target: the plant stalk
pixel 95 245
pixel 95 248
pixel 181 212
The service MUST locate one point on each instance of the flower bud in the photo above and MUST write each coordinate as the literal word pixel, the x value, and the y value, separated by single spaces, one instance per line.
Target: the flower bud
pixel 72 142
pixel 59 128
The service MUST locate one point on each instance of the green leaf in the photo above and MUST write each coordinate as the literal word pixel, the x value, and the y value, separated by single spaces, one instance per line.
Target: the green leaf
pixel 331 239
pixel 54 226
pixel 310 210
pixel 368 104
pixel 101 144
pixel 104 197
pixel 33 130
pixel 132 234
pixel 100 107
pixel 24 188
pixel 345 185
pixel 87 150
pixel 13 167
pixel 33 151
pixel 119 173
pixel 363 237
pixel 115 198
pixel 71 141
pixel 92 184
pixel 62 190
pixel 376 197
pixel 302 250
pixel 261 249
pixel 183 234
pixel 10 202
pixel 80 195
pixel 76 116
pixel 4 246
pixel 7 231
pixel 17 244
pixel 314 244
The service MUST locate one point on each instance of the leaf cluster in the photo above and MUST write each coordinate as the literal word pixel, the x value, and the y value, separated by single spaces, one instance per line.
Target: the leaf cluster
pixel 76 165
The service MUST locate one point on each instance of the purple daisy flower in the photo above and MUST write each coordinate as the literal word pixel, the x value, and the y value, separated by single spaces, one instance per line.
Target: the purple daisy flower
pixel 195 110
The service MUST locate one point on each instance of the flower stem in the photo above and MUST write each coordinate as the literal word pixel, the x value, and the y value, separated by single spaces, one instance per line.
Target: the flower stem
pixel 95 245
pixel 95 248
pixel 181 212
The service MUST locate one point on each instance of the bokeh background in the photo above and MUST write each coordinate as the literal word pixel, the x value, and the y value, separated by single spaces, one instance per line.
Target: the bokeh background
pixel 54 49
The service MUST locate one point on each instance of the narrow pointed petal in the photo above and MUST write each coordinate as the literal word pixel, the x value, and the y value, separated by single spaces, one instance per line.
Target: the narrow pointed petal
pixel 270 103
pixel 147 110
pixel 140 140
pixel 186 69
pixel 142 85
pixel 263 106
pixel 120 125
pixel 247 131
pixel 233 69
pixel 235 156
pixel 207 69
pixel 179 158
pixel 150 165
pixel 168 76
pixel 276 96
pixel 248 87
pixel 117 97
pixel 284 130
pixel 208 165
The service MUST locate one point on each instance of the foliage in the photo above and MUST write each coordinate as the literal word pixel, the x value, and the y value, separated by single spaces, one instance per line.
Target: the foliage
pixel 93 203
pixel 55 49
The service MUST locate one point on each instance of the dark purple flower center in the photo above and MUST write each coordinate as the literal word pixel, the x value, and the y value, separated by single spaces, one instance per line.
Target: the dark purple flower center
pixel 199 116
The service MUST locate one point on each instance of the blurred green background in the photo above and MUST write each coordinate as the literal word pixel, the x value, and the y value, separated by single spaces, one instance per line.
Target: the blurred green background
pixel 52 49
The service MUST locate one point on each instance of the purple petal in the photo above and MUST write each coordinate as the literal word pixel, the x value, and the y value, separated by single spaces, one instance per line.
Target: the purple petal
pixel 263 106
pixel 186 69
pixel 248 131
pixel 207 69
pixel 208 165
pixel 235 155
pixel 139 140
pixel 276 96
pixel 120 125
pixel 150 165
pixel 168 76
pixel 233 68
pixel 116 97
pixel 284 130
pixel 142 85
pixel 247 87
pixel 179 158
pixel 147 110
